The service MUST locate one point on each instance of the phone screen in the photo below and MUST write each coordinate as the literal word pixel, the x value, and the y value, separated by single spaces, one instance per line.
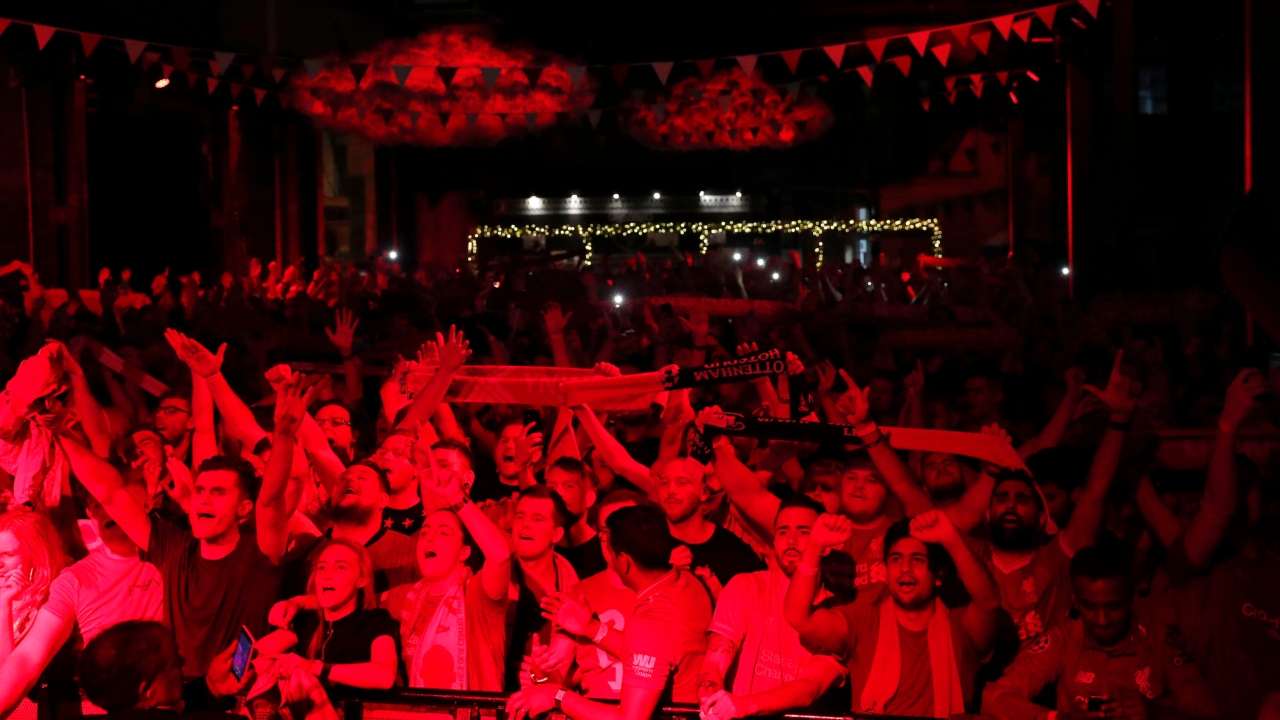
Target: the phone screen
pixel 244 649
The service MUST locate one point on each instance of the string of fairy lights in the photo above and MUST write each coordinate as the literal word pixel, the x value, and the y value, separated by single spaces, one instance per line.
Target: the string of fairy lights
pixel 704 230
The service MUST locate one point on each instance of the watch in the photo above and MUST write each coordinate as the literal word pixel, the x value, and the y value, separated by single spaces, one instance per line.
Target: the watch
pixel 560 698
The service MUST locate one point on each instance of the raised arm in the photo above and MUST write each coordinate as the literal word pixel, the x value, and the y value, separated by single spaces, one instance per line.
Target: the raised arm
pixel 272 511
pixel 980 614
pixel 91 415
pixel 204 434
pixel 21 670
pixel 612 452
pixel 443 488
pixel 343 335
pixel 1207 527
pixel 824 630
pixel 450 354
pixel 741 486
pixel 1051 435
pixel 106 485
pixel 555 321
pixel 853 408
pixel 237 418
pixel 1119 397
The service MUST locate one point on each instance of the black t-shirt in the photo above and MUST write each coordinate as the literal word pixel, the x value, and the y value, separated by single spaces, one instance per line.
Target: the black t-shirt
pixel 206 601
pixel 406 522
pixel 726 555
pixel 587 559
pixel 350 640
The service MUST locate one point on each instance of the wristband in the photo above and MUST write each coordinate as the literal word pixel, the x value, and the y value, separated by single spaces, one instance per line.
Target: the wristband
pixel 601 631
pixel 560 698
pixel 324 674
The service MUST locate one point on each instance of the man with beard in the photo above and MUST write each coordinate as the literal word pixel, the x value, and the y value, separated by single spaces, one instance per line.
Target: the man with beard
pixel 1105 662
pixel 174 423
pixel 774 671
pixel 571 480
pixel 907 652
pixel 1028 564
pixel 517 451
pixel 357 513
pixel 682 490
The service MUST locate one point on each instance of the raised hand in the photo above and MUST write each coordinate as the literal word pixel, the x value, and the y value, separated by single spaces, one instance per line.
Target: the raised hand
pixel 681 557
pixel 795 365
pixel 826 376
pixel 913 383
pixel 747 348
pixel 933 526
pixel 831 531
pixel 452 350
pixel 530 443
pixel 854 406
pixel 292 398
pixel 196 356
pixel 343 332
pixel 607 369
pixel 555 319
pixel 1120 394
pixel 1242 396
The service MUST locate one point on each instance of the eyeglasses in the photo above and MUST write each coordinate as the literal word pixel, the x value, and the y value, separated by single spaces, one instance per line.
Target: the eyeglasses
pixel 332 422
pixel 172 410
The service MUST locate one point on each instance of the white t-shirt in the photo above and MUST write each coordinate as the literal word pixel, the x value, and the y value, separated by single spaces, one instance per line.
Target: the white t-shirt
pixel 104 589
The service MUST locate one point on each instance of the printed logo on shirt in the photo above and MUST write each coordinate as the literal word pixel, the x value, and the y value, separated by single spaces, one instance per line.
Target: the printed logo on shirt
pixel 1142 679
pixel 642 665
pixel 1029 587
pixel 1271 622
pixel 1084 677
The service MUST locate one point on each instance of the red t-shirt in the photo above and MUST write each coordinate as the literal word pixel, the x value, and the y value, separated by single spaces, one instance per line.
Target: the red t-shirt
pixel 599 674
pixel 1036 595
pixel 866 547
pixel 666 636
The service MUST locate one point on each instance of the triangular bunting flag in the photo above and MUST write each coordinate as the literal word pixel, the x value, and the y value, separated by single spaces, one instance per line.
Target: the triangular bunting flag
pixel 312 66
pixel 1047 14
pixel 593 117
pixel 358 71
pixel 791 58
pixel 277 74
pixel 981 40
pixel 258 95
pixel 1022 27
pixel 4 25
pixel 867 73
pixel 1003 77
pixel 961 32
pixel 446 74
pixel 1090 6
pixel 793 90
pixel 705 66
pixel 942 52
pixel 748 63
pixel 88 42
pixel 660 112
pixel 1003 24
pixel 620 74
pixel 413 118
pixel 920 41
pixel 531 119
pixel 576 73
pixel 950 83
pixel 534 73
pixel 924 104
pixel 43 34
pixel 471 118
pixel 975 82
pixel 224 60
pixel 876 47
pixel 662 70
pixel 210 84
pixel 836 53
pixel 444 119
pixel 134 48
pixel 490 75
pixel 402 73
pixel 903 62
pixel 386 114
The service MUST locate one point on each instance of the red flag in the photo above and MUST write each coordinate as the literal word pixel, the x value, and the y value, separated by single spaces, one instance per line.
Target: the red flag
pixel 924 103
pixel 1003 77
pixel 277 74
pixel 792 59
pixel 593 117
pixel 942 52
pixel 663 70
pixel 836 53
pixel 1023 28
pixel 1090 6
pixel 961 32
pixel 210 84
pixel 134 48
pixel 223 60
pixel 877 47
pixel 975 81
pixel 903 62
pixel 951 85
pixel 920 40
pixel 258 95
pixel 88 42
pixel 1047 14
pixel 748 63
pixel 43 34
pixel 1003 24
pixel 867 73
pixel 981 40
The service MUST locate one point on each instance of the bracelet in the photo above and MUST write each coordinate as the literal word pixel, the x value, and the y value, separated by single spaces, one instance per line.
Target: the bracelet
pixel 601 631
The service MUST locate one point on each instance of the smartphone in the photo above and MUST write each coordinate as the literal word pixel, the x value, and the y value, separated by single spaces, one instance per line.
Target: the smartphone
pixel 244 652
pixel 1095 703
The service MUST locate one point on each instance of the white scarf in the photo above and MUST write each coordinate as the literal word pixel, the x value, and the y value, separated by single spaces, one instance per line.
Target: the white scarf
pixel 446 629
pixel 886 664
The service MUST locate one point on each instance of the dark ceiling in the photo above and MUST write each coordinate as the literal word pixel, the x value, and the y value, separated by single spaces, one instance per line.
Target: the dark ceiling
pixel 590 31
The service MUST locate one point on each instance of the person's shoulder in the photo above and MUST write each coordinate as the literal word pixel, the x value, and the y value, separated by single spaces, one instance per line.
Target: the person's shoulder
pixel 749 584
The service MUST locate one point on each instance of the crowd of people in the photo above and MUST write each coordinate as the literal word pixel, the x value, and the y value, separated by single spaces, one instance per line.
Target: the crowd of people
pixel 262 493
